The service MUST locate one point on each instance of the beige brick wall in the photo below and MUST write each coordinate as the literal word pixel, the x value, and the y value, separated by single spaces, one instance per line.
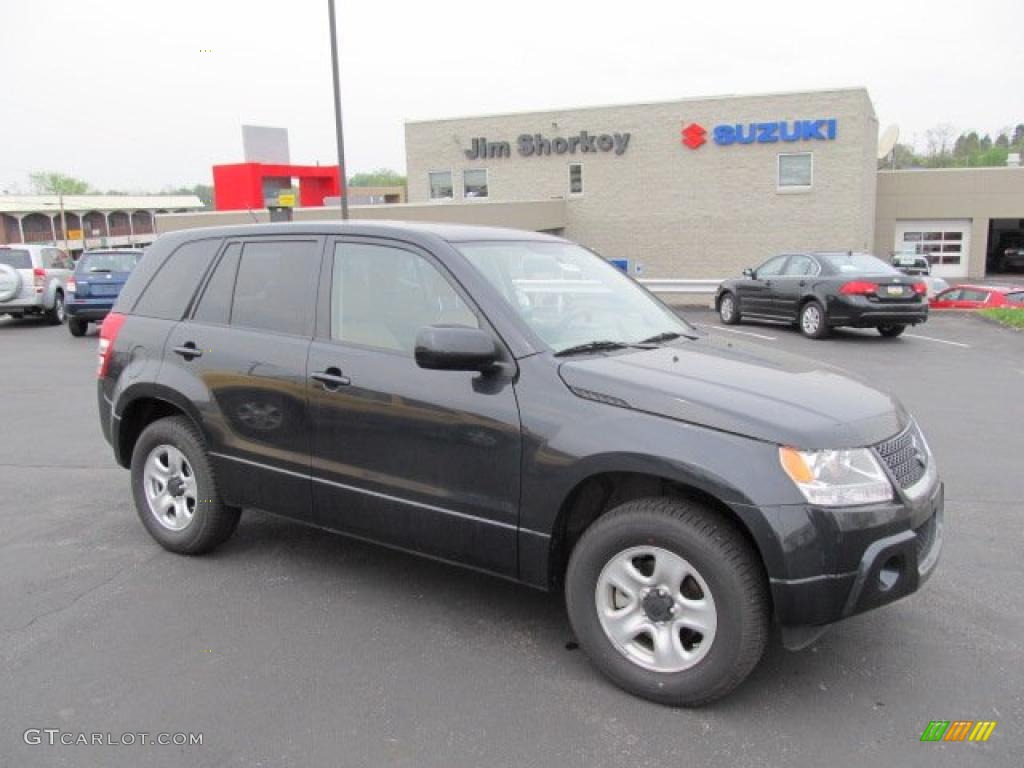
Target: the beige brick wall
pixel 685 213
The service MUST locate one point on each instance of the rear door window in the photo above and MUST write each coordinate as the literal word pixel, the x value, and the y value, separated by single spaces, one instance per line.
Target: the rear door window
pixel 969 294
pixel 1017 297
pixel 215 303
pixel 168 294
pixel 16 257
pixel 275 289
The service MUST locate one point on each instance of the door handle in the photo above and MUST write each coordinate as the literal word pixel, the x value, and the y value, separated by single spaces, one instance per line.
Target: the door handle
pixel 332 378
pixel 803 283
pixel 188 350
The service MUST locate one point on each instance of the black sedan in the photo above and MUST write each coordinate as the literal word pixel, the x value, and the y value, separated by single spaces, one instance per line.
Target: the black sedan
pixel 820 291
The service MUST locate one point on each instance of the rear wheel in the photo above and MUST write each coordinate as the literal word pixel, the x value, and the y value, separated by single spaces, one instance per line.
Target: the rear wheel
pixel 669 600
pixel 175 490
pixel 813 320
pixel 891 331
pixel 728 311
pixel 56 313
pixel 77 326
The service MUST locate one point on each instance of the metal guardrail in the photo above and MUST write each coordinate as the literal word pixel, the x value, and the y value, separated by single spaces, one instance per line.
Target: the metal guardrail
pixel 656 285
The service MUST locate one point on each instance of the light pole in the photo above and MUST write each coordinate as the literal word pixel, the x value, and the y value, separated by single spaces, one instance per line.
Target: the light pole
pixel 342 186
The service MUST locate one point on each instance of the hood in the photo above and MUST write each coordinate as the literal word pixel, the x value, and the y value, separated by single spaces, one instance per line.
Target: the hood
pixel 738 387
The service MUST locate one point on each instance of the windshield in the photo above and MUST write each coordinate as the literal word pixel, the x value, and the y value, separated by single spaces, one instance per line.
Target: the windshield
pixel 15 257
pixel 569 296
pixel 124 261
pixel 857 263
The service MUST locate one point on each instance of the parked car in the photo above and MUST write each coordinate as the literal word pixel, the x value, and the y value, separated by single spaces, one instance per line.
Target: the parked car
pixel 912 264
pixel 511 402
pixel 980 297
pixel 33 281
pixel 95 285
pixel 1011 260
pixel 821 291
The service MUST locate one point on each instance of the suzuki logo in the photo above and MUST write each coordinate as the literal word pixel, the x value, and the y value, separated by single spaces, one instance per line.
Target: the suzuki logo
pixel 693 135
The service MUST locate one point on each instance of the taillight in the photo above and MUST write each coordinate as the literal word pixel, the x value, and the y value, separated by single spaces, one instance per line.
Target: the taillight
pixel 858 288
pixel 920 289
pixel 71 286
pixel 39 278
pixel 108 335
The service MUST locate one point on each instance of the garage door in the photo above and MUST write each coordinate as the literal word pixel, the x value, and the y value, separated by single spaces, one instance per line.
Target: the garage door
pixel 946 243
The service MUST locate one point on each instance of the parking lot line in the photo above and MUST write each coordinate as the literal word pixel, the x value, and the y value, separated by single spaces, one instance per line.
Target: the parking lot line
pixel 940 341
pixel 745 333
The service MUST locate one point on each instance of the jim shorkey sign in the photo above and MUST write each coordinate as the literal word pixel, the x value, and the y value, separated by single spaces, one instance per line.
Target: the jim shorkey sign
pixel 528 144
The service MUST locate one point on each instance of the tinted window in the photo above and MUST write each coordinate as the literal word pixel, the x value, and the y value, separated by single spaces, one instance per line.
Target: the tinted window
pixel 169 292
pixel 215 303
pixel 771 267
pixel 953 295
pixel 275 287
pixel 852 263
pixel 971 294
pixel 1016 297
pixel 114 261
pixel 799 266
pixel 15 257
pixel 382 297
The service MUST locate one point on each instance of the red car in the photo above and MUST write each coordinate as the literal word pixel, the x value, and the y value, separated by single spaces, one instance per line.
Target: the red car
pixel 979 297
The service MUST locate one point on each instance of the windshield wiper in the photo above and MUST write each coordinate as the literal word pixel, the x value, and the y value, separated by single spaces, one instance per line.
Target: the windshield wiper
pixel 100 270
pixel 660 337
pixel 592 346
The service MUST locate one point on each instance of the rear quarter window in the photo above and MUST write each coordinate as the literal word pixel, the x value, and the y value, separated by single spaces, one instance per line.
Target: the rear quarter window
pixel 16 257
pixel 168 294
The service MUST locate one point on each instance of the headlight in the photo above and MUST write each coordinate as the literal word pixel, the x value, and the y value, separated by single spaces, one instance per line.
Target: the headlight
pixel 841 478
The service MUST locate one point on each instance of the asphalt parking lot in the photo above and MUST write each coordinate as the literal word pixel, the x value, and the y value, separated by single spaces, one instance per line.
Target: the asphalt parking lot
pixel 294 647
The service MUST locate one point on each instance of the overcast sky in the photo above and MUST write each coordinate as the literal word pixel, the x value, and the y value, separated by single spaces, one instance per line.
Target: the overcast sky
pixel 122 94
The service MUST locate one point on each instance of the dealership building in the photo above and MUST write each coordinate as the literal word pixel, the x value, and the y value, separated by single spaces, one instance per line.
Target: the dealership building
pixel 701 188
pixel 691 189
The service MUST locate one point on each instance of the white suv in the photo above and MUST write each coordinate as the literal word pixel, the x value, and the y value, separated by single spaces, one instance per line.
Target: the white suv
pixel 33 280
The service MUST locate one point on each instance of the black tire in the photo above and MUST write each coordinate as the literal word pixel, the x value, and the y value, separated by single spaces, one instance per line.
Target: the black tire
pixel 77 326
pixel 729 309
pixel 808 328
pixel 212 522
pixel 891 331
pixel 724 559
pixel 55 314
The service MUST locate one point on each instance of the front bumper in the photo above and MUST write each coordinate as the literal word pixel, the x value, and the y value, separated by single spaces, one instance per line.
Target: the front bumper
pixel 883 553
pixel 862 312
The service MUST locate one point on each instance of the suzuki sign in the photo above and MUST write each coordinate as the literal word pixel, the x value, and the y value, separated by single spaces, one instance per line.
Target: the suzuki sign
pixel 693 135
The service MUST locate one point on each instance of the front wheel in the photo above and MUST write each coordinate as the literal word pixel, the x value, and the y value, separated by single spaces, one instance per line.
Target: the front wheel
pixel 669 600
pixel 727 309
pixel 813 321
pixel 175 490
pixel 77 326
pixel 891 331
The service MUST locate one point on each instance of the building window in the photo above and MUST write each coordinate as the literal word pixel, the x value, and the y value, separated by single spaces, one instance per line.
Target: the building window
pixel 441 185
pixel 796 171
pixel 939 247
pixel 474 183
pixel 575 178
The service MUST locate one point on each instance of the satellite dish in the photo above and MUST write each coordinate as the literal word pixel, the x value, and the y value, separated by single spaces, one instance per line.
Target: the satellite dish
pixel 888 140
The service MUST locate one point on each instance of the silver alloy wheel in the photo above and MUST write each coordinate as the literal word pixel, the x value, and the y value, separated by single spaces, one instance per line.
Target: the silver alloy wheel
pixel 810 319
pixel 171 488
pixel 656 609
pixel 726 308
pixel 58 307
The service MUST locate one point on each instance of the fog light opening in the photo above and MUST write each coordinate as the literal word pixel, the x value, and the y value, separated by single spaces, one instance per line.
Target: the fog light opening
pixel 890 573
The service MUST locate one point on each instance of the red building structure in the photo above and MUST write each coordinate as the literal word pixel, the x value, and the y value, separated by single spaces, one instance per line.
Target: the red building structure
pixel 241 186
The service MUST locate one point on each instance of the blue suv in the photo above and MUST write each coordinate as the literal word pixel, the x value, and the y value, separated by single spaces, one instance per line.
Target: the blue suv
pixel 96 284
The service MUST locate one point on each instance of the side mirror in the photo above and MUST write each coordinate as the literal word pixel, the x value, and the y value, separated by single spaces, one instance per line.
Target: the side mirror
pixel 455 348
pixel 749 272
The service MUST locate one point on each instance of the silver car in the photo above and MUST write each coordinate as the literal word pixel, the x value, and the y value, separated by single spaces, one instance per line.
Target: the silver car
pixel 33 280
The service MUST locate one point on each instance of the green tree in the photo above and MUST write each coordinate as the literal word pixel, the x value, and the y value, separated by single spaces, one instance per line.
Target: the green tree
pixel 54 183
pixel 381 177
pixel 203 191
pixel 1002 140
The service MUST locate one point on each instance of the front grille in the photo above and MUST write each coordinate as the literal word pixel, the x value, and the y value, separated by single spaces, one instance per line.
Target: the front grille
pixel 905 456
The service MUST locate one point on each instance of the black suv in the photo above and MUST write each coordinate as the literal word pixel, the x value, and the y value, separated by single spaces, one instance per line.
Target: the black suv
pixel 511 402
